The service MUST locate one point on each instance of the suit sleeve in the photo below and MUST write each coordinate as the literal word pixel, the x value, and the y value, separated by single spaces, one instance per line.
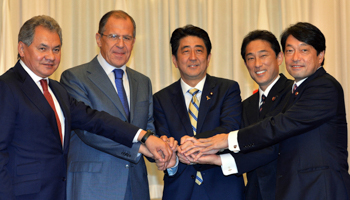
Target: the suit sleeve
pixel 316 105
pixel 231 113
pixel 77 90
pixel 7 123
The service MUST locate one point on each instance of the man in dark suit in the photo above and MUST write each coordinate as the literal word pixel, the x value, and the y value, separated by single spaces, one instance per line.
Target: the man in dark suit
pixel 116 171
pixel 213 106
pixel 311 131
pixel 262 56
pixel 37 117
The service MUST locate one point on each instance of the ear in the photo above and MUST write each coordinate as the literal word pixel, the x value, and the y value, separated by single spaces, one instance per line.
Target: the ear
pixel 279 58
pixel 174 61
pixel 98 39
pixel 321 57
pixel 208 59
pixel 20 48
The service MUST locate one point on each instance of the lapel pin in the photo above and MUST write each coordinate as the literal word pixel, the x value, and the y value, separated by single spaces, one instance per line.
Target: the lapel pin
pixel 296 93
pixel 208 98
pixel 273 98
pixel 211 93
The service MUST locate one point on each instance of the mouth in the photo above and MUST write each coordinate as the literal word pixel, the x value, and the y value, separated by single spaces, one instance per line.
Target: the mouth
pixel 193 66
pixel 260 72
pixel 296 66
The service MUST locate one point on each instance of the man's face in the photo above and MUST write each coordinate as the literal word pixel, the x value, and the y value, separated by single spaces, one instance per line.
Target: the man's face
pixel 301 59
pixel 116 51
pixel 192 59
pixel 44 54
pixel 262 63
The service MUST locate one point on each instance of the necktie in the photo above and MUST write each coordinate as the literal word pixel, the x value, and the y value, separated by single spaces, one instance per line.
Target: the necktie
pixel 294 87
pixel 49 99
pixel 118 73
pixel 263 98
pixel 193 114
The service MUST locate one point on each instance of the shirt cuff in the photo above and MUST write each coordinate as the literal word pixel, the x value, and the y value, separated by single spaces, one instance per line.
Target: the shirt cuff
pixel 172 171
pixel 233 141
pixel 228 166
pixel 137 136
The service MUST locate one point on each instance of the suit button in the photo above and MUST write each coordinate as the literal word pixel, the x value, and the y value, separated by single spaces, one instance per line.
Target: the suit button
pixel 193 176
pixel 64 179
pixel 126 166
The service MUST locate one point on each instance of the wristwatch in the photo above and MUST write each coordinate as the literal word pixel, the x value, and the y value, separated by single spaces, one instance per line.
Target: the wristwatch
pixel 145 137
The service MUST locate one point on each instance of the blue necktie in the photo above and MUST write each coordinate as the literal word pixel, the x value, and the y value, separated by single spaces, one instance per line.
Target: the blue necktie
pixel 121 91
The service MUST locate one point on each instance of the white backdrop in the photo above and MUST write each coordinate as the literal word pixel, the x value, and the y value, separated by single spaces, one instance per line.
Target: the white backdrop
pixel 226 21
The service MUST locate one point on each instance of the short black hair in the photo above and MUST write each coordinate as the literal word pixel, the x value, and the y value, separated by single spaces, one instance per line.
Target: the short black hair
pixel 188 30
pixel 307 33
pixel 260 35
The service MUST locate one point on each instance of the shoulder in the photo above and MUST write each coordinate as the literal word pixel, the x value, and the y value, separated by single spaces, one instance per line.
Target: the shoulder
pixel 172 88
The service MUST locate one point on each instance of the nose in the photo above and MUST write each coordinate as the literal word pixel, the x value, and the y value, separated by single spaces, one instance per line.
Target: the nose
pixel 50 56
pixel 120 42
pixel 296 56
pixel 258 62
pixel 193 55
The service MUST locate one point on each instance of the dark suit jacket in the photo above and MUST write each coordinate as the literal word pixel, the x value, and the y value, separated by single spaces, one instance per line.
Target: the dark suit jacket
pixel 219 112
pixel 261 165
pixel 32 161
pixel 312 137
pixel 110 167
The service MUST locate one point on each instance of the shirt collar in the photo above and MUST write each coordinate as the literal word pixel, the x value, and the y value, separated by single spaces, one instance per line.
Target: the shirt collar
pixel 185 87
pixel 35 77
pixel 106 66
pixel 301 81
pixel 266 92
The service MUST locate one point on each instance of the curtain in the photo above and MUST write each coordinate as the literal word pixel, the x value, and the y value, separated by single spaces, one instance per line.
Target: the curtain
pixel 226 21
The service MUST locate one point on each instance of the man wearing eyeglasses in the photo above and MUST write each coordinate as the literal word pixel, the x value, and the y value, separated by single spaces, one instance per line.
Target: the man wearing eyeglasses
pixel 99 168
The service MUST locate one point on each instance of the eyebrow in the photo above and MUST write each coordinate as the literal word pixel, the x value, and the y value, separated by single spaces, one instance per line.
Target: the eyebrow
pixel 187 46
pixel 261 51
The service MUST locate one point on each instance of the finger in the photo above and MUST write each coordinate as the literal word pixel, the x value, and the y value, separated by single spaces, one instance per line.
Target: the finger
pixel 164 138
pixel 184 139
pixel 193 150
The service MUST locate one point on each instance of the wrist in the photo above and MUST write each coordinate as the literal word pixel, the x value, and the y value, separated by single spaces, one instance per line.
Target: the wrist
pixel 146 136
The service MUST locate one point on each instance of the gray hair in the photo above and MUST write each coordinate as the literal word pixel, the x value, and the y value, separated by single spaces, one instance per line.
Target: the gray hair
pixel 26 33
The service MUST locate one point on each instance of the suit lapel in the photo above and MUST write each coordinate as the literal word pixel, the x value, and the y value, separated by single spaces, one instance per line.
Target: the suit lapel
pixel 178 101
pixel 133 92
pixel 207 98
pixel 252 110
pixel 65 110
pixel 34 94
pixel 99 77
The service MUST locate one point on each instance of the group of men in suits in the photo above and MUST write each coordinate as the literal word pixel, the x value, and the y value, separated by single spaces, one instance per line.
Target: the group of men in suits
pixel 307 138
pixel 293 144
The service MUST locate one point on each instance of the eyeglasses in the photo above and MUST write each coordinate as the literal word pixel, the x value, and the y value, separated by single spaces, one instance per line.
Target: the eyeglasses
pixel 115 37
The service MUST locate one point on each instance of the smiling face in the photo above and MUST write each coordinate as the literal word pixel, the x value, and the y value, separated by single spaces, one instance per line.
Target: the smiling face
pixel 192 60
pixel 116 52
pixel 262 63
pixel 44 54
pixel 301 59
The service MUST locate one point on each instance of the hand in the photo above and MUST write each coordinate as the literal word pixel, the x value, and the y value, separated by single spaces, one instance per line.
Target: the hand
pixel 182 158
pixel 212 144
pixel 171 142
pixel 187 143
pixel 143 149
pixel 211 159
pixel 160 150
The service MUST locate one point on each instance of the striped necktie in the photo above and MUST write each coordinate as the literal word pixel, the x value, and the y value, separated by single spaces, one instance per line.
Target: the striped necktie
pixel 193 109
pixel 263 98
